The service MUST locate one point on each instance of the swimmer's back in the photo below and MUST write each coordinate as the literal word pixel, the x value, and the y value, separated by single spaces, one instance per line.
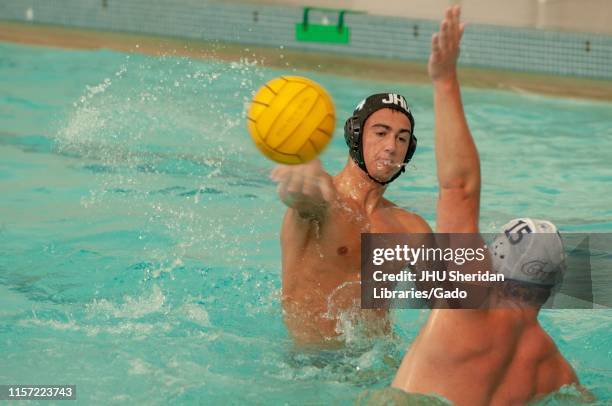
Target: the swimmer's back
pixel 537 368
pixel 486 358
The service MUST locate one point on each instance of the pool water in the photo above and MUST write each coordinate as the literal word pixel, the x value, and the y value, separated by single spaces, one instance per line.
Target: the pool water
pixel 139 246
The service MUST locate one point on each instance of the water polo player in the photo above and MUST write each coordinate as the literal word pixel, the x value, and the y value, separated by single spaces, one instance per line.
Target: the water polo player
pixel 321 231
pixel 498 355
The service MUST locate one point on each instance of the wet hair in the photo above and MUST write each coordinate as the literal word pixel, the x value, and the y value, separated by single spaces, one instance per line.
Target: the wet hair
pixel 527 293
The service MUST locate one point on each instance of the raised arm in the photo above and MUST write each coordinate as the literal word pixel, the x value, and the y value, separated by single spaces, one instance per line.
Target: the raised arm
pixel 457 160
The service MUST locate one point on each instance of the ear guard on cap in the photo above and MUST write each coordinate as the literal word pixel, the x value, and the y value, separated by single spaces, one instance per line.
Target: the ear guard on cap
pixel 352 130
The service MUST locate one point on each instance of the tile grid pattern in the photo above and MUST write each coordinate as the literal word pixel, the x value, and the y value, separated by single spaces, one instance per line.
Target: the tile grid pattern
pixel 520 49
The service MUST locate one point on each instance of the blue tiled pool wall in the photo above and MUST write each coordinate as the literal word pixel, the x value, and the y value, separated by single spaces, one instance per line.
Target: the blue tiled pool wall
pixel 522 49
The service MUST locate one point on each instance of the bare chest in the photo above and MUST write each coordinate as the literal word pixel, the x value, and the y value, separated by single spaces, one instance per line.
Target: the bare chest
pixel 338 241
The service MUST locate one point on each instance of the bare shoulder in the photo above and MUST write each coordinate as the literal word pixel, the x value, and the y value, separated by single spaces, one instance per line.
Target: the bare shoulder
pixel 409 221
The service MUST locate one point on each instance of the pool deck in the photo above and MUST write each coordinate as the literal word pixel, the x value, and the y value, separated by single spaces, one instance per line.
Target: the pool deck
pixel 357 67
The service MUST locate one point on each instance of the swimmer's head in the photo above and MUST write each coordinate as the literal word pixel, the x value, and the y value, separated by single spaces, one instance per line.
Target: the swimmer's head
pixel 383 165
pixel 530 255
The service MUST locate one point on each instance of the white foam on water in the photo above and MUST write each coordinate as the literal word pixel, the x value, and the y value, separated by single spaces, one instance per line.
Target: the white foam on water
pixel 139 331
pixel 195 313
pixel 131 308
pixel 139 367
pixel 121 398
pixel 158 375
pixel 157 272
pixel 54 324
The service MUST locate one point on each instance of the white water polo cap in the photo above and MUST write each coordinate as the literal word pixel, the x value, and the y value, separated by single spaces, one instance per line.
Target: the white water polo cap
pixel 529 250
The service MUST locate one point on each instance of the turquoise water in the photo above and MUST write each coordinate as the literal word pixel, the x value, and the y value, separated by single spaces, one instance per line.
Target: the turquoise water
pixel 139 253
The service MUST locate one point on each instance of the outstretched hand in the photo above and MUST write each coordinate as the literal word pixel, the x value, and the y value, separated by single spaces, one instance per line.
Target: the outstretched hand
pixel 306 188
pixel 445 46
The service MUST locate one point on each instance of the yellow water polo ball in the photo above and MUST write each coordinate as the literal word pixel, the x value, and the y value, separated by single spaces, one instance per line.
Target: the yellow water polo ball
pixel 291 119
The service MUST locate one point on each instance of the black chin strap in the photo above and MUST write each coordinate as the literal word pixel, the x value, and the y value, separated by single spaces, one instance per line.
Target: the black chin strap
pixel 379 182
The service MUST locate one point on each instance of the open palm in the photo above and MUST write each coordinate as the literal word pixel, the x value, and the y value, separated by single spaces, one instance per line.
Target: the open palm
pixel 445 46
